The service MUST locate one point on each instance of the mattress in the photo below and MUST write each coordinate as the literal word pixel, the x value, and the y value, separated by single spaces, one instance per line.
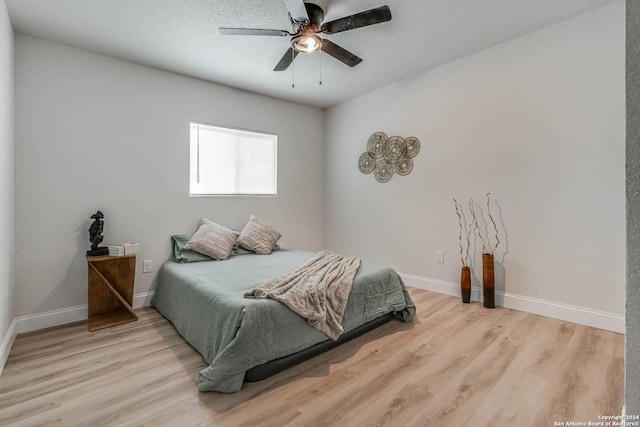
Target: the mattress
pixel 204 300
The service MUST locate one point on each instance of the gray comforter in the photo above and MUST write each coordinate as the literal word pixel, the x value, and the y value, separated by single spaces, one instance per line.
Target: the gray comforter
pixel 318 290
pixel 204 301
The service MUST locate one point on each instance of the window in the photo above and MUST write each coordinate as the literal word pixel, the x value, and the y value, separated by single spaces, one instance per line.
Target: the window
pixel 228 161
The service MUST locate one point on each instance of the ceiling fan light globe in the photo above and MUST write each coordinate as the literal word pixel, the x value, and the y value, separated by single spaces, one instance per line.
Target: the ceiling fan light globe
pixel 306 43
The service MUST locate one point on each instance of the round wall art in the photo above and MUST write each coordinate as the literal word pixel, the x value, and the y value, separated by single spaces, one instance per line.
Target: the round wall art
pixel 387 156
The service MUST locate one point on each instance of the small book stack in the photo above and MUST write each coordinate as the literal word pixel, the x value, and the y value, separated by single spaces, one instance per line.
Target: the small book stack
pixel 124 249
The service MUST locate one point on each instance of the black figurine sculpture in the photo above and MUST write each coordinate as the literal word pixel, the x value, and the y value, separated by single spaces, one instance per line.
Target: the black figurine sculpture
pixel 95 235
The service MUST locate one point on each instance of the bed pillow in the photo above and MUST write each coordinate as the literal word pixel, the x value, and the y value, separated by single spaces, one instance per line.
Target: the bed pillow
pixel 258 236
pixel 213 240
pixel 180 254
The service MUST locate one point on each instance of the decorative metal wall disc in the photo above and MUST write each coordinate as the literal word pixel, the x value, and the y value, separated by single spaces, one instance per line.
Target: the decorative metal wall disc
pixel 395 149
pixel 383 171
pixel 377 145
pixel 411 147
pixel 388 155
pixel 366 163
pixel 404 166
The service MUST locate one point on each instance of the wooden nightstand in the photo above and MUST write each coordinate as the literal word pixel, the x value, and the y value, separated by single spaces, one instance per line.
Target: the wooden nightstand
pixel 111 290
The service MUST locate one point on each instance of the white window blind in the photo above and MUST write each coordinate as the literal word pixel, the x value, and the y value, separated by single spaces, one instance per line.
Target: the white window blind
pixel 228 161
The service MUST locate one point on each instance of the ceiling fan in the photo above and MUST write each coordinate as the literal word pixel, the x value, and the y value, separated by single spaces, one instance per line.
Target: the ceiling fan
pixel 306 20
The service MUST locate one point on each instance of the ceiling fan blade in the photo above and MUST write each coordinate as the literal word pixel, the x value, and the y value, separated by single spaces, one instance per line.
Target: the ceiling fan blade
pixel 340 54
pixel 252 32
pixel 297 10
pixel 286 59
pixel 362 19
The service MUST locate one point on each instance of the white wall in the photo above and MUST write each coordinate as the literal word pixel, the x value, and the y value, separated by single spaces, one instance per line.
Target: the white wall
pixel 93 133
pixel 632 333
pixel 7 185
pixel 539 122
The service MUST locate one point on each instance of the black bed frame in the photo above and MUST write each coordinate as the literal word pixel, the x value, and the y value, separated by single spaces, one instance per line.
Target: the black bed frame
pixel 260 372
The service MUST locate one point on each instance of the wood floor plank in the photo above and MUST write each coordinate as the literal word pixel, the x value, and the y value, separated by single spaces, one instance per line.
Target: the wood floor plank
pixel 454 365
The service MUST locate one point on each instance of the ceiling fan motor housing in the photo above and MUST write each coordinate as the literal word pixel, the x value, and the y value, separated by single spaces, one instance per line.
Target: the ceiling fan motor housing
pixel 306 40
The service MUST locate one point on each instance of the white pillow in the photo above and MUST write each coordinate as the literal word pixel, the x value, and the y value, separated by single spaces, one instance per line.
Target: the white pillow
pixel 258 236
pixel 213 240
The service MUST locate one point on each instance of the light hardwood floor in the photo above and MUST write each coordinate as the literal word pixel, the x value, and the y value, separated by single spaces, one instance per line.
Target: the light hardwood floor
pixel 454 365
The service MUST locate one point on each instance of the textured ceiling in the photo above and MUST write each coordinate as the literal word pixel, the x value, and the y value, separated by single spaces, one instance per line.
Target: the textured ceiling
pixel 182 36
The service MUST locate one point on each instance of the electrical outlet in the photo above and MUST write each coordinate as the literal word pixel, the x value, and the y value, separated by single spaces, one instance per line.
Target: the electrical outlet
pixel 146 266
pixel 440 257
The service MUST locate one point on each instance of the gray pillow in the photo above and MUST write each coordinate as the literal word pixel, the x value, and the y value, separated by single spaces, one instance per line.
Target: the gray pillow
pixel 180 254
pixel 258 236
pixel 213 240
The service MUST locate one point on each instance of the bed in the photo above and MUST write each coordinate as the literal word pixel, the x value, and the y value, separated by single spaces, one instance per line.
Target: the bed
pixel 249 339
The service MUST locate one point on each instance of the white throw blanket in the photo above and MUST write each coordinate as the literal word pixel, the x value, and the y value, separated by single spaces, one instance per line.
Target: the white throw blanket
pixel 317 290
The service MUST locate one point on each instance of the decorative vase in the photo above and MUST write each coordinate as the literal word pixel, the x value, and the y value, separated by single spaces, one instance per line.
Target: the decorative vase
pixel 465 285
pixel 488 281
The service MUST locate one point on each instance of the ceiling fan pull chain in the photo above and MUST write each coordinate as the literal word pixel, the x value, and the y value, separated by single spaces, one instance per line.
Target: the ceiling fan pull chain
pixel 320 82
pixel 293 69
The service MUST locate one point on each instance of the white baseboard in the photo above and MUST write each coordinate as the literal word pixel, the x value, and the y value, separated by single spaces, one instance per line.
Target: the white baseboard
pixel 570 313
pixel 7 343
pixel 34 322
pixel 142 300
